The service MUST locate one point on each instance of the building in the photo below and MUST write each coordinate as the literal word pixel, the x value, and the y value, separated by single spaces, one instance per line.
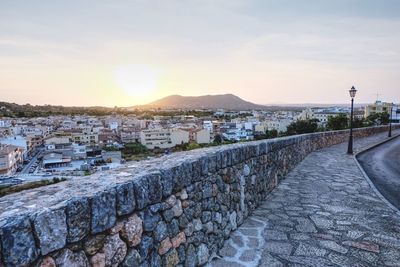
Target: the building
pixel 200 136
pixel 85 137
pixel 279 124
pixel 163 138
pixel 57 143
pixel 377 107
pixel 19 141
pixel 55 159
pixel 10 159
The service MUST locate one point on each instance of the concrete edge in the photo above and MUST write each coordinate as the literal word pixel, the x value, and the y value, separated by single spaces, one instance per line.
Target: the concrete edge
pixel 371 184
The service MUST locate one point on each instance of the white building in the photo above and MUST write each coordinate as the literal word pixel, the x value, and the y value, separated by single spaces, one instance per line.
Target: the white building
pixel 10 159
pixel 209 126
pixel 163 138
pixel 278 124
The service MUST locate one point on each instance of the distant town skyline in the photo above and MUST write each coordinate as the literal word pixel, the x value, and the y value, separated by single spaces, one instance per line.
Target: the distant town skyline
pixel 126 53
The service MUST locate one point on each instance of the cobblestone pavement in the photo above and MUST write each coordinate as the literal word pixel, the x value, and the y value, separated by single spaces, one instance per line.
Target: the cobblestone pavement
pixel 323 214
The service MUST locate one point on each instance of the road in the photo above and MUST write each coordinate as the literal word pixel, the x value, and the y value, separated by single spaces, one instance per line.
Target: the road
pixel 382 164
pixel 31 162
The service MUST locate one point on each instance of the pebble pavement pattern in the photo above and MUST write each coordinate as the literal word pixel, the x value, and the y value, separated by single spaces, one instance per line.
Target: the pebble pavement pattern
pixel 323 214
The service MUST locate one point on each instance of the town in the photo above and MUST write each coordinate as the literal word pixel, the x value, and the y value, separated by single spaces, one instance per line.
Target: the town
pixel 40 148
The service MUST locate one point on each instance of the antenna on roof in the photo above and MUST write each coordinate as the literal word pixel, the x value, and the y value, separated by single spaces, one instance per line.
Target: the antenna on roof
pixel 378 95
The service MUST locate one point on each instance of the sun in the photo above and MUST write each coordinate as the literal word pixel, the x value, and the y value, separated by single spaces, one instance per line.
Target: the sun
pixel 137 80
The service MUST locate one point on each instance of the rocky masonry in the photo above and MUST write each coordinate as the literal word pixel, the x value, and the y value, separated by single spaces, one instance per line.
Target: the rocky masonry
pixel 175 210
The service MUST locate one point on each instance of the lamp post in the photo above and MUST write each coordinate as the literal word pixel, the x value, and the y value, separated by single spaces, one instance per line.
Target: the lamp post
pixel 352 92
pixel 390 121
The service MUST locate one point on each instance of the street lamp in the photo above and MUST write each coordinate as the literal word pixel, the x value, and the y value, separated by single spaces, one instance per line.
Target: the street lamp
pixel 390 121
pixel 352 92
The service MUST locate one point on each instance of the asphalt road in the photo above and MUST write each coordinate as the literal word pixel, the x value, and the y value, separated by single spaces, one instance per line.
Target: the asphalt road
pixel 382 164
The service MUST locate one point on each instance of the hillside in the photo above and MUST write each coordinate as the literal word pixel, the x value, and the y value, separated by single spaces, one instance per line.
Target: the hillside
pixel 227 101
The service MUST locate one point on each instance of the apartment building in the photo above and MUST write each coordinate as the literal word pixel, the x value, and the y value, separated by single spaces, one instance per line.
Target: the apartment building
pixel 85 137
pixel 163 138
pixel 377 107
pixel 10 159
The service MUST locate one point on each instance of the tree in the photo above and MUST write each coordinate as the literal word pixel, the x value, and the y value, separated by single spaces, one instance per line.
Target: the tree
pixel 218 139
pixel 192 146
pixel 338 122
pixel 134 149
pixel 302 126
pixel 271 133
pixel 358 123
pixel 378 118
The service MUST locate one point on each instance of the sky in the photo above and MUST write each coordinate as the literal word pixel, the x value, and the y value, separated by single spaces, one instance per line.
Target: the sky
pixel 124 53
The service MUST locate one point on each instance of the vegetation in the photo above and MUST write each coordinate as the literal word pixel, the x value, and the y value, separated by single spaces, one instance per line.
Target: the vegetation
pixel 302 126
pixel 13 110
pixel 7 190
pixel 267 135
pixel 378 119
pixel 338 122
pixel 218 139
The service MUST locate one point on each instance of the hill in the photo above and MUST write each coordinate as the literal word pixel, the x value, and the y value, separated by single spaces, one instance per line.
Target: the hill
pixel 227 101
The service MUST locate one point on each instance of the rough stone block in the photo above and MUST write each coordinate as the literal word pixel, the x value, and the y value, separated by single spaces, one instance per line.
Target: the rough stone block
pixel 103 211
pixel 150 220
pixel 132 259
pixel 51 230
pixel 114 250
pixel 94 244
pixel 167 182
pixel 141 191
pixel 161 231
pixel 125 199
pixel 67 258
pixel 17 242
pixel 171 259
pixel 155 190
pixel 202 254
pixel 132 230
pixel 145 246
pixel 78 219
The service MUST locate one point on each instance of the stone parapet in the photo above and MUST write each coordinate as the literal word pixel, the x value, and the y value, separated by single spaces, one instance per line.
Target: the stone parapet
pixel 173 210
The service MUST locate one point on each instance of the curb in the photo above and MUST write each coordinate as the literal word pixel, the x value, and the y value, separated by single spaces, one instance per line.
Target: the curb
pixel 371 184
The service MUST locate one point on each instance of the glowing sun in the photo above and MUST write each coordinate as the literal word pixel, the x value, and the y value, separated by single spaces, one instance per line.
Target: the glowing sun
pixel 137 80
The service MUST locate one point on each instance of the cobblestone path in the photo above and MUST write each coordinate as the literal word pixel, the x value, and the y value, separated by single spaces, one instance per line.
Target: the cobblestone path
pixel 323 214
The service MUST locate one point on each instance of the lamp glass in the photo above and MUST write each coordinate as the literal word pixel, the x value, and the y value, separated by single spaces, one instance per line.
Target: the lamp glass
pixel 352 92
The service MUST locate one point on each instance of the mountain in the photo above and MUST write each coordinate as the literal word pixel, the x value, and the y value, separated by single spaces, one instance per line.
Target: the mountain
pixel 227 101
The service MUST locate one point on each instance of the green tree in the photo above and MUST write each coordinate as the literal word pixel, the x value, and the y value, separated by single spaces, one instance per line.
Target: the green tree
pixel 302 126
pixel 134 149
pixel 271 133
pixel 192 146
pixel 218 139
pixel 359 123
pixel 338 122
pixel 378 118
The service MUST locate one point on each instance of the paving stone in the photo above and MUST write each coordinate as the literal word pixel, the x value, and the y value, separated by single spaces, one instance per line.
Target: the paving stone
pixel 228 251
pixel 275 235
pixel 278 247
pixel 248 255
pixel 363 245
pixel 309 250
pixel 267 260
pixel 332 245
pixel 321 225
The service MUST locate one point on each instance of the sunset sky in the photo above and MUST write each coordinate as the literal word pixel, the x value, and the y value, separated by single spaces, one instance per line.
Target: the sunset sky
pixel 123 53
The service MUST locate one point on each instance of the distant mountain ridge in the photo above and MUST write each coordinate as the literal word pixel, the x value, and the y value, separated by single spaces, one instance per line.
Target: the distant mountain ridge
pixel 225 101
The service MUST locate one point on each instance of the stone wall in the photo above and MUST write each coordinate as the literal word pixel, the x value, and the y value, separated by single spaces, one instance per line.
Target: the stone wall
pixel 174 210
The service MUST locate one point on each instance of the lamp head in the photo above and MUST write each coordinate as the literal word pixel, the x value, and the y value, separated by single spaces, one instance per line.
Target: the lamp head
pixel 352 92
